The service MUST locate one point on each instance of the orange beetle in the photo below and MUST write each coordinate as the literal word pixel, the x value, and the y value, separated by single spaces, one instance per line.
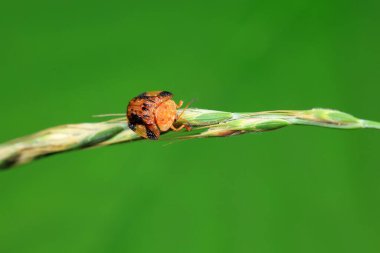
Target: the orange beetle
pixel 153 112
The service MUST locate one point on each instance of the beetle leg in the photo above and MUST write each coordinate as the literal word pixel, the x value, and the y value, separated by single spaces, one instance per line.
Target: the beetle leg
pixel 152 132
pixel 188 127
pixel 180 103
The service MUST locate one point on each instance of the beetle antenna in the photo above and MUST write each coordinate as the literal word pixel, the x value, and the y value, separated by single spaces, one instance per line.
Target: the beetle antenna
pixel 184 109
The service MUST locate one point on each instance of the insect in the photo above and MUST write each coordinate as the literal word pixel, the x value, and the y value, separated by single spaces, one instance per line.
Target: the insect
pixel 151 113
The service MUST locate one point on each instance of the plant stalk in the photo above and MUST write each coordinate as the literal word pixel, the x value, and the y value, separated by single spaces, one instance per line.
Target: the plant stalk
pixel 205 123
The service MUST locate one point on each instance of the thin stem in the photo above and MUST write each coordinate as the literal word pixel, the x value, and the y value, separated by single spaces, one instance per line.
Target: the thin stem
pixel 205 123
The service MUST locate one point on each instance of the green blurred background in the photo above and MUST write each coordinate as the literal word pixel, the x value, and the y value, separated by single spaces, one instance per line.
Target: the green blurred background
pixel 299 189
